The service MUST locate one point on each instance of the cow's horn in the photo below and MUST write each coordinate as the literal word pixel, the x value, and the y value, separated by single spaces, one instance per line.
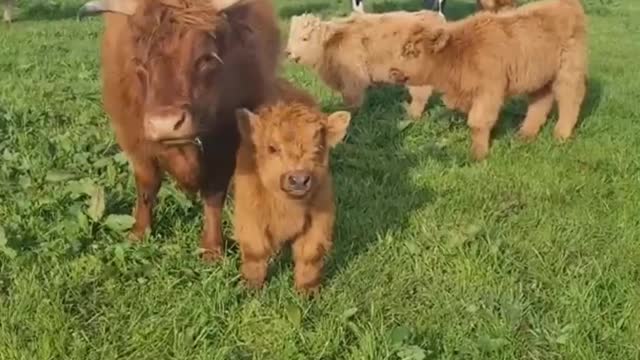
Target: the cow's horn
pixel 95 7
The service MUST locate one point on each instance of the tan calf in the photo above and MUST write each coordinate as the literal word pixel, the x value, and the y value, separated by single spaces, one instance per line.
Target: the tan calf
pixel 283 188
pixel 354 53
pixel 538 49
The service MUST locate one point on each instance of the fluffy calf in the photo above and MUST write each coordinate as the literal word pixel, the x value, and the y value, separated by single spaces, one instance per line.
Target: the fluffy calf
pixel 354 53
pixel 537 49
pixel 173 74
pixel 283 187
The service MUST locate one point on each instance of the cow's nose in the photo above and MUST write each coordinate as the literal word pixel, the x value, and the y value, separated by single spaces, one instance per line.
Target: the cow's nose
pixel 169 125
pixel 297 183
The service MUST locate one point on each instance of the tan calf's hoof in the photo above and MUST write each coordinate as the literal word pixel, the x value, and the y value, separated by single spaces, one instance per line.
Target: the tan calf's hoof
pixel 479 153
pixel 211 255
pixel 561 135
pixel 413 112
pixel 526 135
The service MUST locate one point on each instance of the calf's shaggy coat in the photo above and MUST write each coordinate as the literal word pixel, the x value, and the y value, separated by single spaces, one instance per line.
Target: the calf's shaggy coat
pixel 353 53
pixel 283 187
pixel 173 74
pixel 538 49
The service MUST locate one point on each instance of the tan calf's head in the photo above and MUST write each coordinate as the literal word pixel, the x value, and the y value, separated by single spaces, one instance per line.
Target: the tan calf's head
pixel 307 35
pixel 291 144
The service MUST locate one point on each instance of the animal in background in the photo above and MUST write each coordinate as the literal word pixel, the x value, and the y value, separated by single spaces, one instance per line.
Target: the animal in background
pixel 495 5
pixel 283 187
pixel 435 5
pixel 7 10
pixel 351 54
pixel 538 49
pixel 173 74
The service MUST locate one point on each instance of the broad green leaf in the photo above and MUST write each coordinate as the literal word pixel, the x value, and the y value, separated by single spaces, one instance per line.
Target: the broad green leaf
pixel 412 352
pixel 96 204
pixel 119 222
pixel 59 176
pixel 294 314
pixel 3 237
pixel 399 335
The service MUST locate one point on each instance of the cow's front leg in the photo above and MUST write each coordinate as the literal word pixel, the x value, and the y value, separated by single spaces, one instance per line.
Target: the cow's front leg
pixel 211 242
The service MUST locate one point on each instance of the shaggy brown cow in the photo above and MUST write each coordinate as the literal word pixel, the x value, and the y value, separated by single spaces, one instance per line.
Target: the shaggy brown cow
pixel 495 5
pixel 353 53
pixel 537 49
pixel 174 72
pixel 283 187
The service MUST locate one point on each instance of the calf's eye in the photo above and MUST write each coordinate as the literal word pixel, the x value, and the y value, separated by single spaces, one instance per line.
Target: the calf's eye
pixel 272 149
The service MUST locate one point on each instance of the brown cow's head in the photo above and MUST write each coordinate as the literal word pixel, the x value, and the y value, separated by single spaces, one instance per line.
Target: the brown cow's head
pixel 291 143
pixel 179 51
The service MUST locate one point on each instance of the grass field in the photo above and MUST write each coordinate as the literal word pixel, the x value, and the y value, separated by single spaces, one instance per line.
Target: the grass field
pixel 533 254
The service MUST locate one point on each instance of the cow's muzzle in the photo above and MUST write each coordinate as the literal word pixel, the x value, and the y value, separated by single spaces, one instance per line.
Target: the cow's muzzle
pixel 170 126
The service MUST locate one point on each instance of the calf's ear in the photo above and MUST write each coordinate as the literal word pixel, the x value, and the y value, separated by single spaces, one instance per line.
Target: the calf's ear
pixel 439 40
pixel 246 121
pixel 337 124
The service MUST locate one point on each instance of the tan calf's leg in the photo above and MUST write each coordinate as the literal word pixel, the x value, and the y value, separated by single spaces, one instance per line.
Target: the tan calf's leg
pixel 255 251
pixel 309 251
pixel 482 118
pixel 570 88
pixel 419 98
pixel 148 178
pixel 540 104
pixel 569 95
pixel 353 93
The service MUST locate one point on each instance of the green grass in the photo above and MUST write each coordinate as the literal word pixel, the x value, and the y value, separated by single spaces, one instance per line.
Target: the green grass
pixel 533 254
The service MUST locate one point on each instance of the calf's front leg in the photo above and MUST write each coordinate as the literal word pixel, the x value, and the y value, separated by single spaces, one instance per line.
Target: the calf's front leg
pixel 309 250
pixel 482 118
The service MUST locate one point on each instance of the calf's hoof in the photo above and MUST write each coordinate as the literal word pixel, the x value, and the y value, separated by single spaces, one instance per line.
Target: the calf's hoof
pixel 561 135
pixel 211 255
pixel 413 112
pixel 479 153
pixel 526 135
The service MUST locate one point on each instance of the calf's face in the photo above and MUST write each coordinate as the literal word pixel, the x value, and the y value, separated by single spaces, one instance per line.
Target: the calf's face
pixel 291 145
pixel 305 44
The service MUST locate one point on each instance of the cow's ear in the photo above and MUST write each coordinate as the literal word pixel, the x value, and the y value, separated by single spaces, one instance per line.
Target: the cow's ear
pixel 337 124
pixel 439 39
pixel 246 122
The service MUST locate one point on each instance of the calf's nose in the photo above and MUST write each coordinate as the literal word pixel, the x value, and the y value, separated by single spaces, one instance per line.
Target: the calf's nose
pixel 297 182
pixel 169 125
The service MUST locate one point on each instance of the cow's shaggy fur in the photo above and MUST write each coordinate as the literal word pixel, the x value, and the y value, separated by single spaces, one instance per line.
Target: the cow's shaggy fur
pixel 538 49
pixel 286 138
pixel 200 59
pixel 353 53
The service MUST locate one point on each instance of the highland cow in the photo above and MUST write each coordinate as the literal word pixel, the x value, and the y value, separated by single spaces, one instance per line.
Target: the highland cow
pixel 173 74
pixel 538 49
pixel 283 187
pixel 353 53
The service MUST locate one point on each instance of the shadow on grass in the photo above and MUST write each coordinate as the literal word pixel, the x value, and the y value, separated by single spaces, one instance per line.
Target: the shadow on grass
pixel 41 10
pixel 514 112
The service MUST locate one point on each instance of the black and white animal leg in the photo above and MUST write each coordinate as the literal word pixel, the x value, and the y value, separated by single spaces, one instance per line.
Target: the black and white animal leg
pixel 357 5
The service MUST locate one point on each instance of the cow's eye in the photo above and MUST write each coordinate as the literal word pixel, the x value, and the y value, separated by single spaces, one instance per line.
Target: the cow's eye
pixel 209 61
